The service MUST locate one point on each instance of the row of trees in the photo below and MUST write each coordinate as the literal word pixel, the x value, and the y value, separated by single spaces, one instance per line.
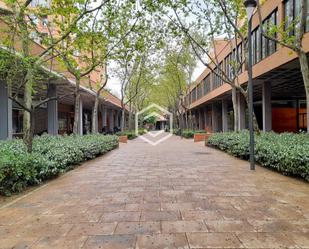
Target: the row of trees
pixel 200 22
pixel 152 44
pixel 78 38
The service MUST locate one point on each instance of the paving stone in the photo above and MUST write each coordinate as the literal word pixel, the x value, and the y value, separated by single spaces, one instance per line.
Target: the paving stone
pixel 200 215
pixel 266 240
pixel 138 228
pixel 120 216
pixel 213 240
pixel 183 226
pixel 159 241
pixel 160 215
pixel 110 242
pixel 67 242
pixel 229 226
pixel 92 228
pixel 161 197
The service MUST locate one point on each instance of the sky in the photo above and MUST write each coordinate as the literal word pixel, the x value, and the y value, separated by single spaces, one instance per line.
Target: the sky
pixel 114 84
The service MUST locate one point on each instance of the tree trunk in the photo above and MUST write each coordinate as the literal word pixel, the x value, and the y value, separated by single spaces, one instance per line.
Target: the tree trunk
pixel 122 119
pixel 94 128
pixel 235 109
pixel 130 117
pixel 27 118
pixel 77 108
pixel 130 120
pixel 303 61
pixel 255 123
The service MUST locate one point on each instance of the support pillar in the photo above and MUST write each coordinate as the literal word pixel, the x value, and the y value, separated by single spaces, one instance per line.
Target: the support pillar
pixel 205 117
pixel 266 105
pixel 111 120
pixel 52 111
pixel 81 122
pixel 200 119
pixel 214 119
pixel 241 105
pixel 6 130
pixel 225 126
pixel 104 121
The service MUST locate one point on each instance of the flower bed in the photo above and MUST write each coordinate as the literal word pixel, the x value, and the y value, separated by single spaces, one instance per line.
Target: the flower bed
pixel 52 155
pixel 287 153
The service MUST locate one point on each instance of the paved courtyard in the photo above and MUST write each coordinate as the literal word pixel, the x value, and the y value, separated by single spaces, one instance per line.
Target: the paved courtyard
pixel 179 194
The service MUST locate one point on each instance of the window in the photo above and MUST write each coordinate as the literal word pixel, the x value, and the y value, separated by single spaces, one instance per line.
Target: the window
pixel 207 87
pixel 17 121
pixel 239 59
pixel 253 41
pixel 199 90
pixel 217 76
pixel 193 95
pixel 307 22
pixel 268 47
pixel 42 3
pixel 44 21
pixel 258 44
pixel 292 13
pixel 34 19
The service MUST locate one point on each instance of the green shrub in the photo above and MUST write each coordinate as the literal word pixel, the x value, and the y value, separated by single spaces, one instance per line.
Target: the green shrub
pixel 187 133
pixel 131 134
pixel 287 152
pixel 51 156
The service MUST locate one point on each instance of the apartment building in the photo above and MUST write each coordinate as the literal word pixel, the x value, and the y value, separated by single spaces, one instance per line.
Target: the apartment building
pixel 279 93
pixel 56 116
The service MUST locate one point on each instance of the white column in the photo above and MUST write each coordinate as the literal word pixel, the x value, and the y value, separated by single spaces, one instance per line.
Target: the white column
pixel 241 105
pixel 224 116
pixel 266 105
pixel 5 112
pixel 52 111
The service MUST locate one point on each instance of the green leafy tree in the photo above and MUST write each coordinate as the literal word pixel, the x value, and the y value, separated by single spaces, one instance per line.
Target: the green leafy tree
pixel 20 31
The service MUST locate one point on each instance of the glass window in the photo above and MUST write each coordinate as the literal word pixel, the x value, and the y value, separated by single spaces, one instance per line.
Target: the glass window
pixel 272 44
pixel 207 87
pixel 17 121
pixel 307 22
pixel 258 44
pixel 288 13
pixel 253 41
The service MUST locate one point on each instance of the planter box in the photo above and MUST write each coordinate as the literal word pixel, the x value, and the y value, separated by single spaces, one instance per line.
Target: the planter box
pixel 123 139
pixel 199 137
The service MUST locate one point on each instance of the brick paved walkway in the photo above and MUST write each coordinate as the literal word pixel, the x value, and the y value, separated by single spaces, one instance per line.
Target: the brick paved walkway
pixel 176 195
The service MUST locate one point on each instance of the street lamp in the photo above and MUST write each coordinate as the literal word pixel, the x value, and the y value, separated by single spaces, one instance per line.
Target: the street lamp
pixel 250 7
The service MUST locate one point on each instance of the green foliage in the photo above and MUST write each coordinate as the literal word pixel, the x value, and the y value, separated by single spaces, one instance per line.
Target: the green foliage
pixel 130 134
pixel 52 155
pixel 187 133
pixel 287 153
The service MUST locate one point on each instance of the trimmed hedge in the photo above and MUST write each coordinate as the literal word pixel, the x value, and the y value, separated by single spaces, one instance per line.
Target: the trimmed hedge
pixel 51 156
pixel 131 134
pixel 287 153
pixel 187 133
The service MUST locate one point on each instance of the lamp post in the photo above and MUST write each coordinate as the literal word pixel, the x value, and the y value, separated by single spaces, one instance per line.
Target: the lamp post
pixel 250 7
